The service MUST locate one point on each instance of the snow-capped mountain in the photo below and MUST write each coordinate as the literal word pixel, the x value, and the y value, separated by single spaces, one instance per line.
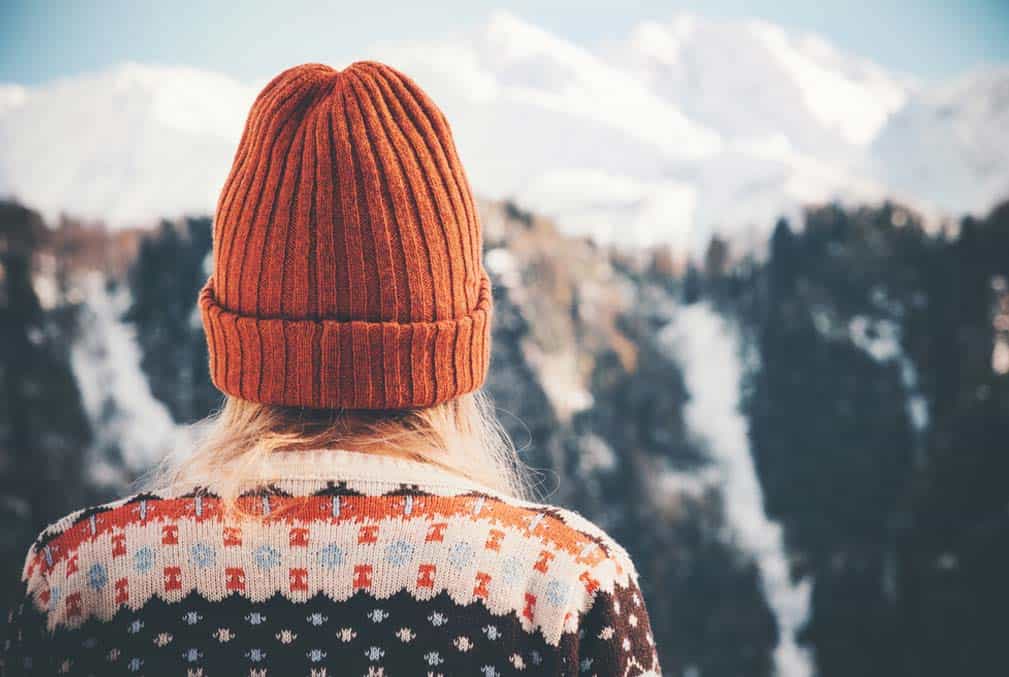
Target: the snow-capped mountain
pixel 682 127
pixel 679 128
pixel 754 79
pixel 950 145
pixel 126 146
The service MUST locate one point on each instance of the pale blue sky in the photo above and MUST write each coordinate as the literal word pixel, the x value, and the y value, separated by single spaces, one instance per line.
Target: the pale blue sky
pixel 45 39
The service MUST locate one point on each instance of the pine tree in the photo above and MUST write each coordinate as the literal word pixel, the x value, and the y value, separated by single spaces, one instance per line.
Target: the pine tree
pixel 43 431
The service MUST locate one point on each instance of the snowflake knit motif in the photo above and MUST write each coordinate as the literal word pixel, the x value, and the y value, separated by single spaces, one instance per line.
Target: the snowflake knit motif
pixel 345 564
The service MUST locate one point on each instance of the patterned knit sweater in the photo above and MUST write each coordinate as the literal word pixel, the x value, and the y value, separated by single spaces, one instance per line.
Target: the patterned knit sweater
pixel 355 565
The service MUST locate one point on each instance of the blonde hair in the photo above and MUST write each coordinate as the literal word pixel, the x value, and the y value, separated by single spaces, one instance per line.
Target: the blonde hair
pixel 462 436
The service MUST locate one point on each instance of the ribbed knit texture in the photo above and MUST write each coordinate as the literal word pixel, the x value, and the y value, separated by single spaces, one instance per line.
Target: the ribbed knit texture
pixel 347 250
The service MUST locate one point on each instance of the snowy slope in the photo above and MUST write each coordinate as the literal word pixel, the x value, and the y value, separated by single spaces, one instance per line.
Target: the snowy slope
pixel 132 429
pixel 950 145
pixel 622 145
pixel 678 128
pixel 753 80
pixel 11 96
pixel 709 351
pixel 129 145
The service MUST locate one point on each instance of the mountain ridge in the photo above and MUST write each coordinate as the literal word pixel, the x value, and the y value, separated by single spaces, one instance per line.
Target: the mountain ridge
pixel 677 130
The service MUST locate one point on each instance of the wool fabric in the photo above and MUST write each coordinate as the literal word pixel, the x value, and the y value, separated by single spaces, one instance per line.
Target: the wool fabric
pixel 347 250
pixel 347 564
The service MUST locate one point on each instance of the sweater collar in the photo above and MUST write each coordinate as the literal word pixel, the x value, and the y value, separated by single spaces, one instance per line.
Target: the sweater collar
pixel 341 464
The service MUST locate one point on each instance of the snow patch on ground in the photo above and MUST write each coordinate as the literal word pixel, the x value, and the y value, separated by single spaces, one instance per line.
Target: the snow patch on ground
pixel 561 379
pixel 880 339
pixel 596 455
pixel 708 350
pixel 502 264
pixel 126 419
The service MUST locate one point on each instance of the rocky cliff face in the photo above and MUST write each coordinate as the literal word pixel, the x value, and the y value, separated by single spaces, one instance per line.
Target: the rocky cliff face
pixel 802 453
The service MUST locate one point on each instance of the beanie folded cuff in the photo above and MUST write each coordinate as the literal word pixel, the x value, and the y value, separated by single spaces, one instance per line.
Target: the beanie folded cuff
pixel 334 364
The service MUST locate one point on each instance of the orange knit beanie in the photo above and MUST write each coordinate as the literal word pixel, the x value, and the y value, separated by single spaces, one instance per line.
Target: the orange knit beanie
pixel 347 250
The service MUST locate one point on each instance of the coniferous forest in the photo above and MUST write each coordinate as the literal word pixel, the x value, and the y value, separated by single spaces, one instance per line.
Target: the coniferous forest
pixel 802 447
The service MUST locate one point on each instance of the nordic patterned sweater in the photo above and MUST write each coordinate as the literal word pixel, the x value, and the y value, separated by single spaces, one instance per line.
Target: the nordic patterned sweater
pixel 356 565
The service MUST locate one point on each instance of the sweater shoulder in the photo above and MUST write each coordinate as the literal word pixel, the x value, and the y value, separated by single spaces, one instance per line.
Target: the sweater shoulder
pixel 602 559
pixel 566 528
pixel 76 524
pixel 543 563
pixel 62 537
pixel 54 530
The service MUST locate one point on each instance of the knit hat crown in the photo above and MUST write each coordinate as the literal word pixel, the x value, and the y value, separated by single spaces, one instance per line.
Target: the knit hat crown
pixel 347 250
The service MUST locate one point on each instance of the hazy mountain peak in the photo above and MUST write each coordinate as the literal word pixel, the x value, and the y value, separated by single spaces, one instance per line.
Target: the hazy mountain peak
pixel 681 127
pixel 127 145
pixel 764 64
pixel 12 96
pixel 546 71
pixel 852 96
pixel 948 146
pixel 517 39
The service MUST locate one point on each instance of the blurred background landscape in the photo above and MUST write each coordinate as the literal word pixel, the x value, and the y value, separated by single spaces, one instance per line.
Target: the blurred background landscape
pixel 751 275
